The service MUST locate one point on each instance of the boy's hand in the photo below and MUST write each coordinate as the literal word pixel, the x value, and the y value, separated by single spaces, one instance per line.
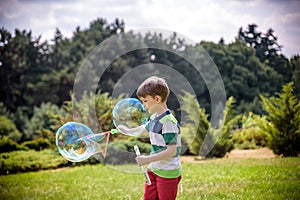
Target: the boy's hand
pixel 142 160
pixel 163 155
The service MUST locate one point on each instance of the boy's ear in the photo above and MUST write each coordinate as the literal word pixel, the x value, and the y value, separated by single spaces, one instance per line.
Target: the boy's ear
pixel 157 98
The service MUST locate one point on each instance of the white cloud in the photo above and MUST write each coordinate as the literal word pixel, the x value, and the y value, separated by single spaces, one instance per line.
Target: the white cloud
pixel 199 20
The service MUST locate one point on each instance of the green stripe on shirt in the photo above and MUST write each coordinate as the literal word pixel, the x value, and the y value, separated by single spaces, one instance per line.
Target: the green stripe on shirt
pixel 167 173
pixel 170 138
pixel 157 149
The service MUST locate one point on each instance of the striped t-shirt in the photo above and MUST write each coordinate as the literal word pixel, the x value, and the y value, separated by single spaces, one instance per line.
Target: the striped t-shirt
pixel 164 130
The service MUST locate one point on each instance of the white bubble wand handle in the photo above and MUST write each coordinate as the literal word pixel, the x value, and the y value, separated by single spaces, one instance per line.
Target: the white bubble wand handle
pixel 138 153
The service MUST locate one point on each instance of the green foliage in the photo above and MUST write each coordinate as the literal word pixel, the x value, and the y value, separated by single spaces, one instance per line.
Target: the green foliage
pixel 250 136
pixel 296 75
pixel 25 161
pixel 39 158
pixel 23 60
pixel 244 75
pixel 222 136
pixel 8 128
pixel 34 72
pixel 8 145
pixel 196 125
pixel 4 111
pixel 265 44
pixel 40 124
pixel 283 122
pixel 218 140
pixel 37 144
pixel 20 119
pixel 91 110
pixel 267 50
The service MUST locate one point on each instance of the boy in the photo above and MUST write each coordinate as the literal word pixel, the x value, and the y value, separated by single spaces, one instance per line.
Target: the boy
pixel 164 167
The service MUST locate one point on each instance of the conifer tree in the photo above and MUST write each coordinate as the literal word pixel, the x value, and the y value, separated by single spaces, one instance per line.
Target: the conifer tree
pixel 207 141
pixel 196 124
pixel 283 122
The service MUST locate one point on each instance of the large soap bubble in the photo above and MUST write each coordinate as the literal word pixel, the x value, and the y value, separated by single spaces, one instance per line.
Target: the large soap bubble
pixel 77 142
pixel 130 113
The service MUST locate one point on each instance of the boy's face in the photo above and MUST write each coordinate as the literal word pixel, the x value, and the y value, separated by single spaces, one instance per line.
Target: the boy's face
pixel 151 103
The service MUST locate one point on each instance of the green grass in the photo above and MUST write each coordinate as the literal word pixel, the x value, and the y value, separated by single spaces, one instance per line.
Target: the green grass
pixel 276 178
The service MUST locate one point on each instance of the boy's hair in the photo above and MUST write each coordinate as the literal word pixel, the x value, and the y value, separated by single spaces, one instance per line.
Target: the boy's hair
pixel 154 86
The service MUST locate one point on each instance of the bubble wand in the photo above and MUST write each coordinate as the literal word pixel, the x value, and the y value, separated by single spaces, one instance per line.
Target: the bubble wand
pixel 138 153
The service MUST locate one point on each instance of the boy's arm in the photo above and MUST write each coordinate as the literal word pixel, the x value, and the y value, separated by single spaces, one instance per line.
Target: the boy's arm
pixel 132 131
pixel 169 152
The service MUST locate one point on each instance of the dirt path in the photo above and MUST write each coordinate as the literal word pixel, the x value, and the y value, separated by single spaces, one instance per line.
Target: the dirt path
pixel 237 153
pixel 251 153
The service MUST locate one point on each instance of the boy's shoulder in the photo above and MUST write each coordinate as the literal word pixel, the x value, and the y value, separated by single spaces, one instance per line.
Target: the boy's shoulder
pixel 169 118
pixel 164 118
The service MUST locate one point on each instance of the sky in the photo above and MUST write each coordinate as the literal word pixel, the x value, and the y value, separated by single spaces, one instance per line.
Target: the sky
pixel 199 20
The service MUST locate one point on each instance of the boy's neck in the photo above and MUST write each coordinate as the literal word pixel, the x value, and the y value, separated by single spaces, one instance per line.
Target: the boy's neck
pixel 162 109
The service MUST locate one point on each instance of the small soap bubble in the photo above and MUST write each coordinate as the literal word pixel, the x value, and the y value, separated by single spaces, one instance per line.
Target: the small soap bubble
pixel 131 113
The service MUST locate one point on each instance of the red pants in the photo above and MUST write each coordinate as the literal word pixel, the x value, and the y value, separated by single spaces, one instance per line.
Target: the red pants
pixel 161 188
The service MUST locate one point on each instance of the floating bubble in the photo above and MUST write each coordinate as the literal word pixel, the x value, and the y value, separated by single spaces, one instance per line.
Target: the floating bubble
pixel 130 113
pixel 77 142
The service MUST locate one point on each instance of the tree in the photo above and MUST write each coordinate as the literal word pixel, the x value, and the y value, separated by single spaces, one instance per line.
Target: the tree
pixel 244 75
pixel 91 110
pixel 68 55
pixel 283 122
pixel 23 61
pixel 203 139
pixel 266 44
pixel 250 36
pixel 196 125
pixel 8 129
pixel 40 124
pixel 222 135
pixel 267 49
pixel 296 75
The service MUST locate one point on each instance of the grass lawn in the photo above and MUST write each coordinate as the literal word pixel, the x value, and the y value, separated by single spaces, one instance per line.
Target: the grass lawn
pixel 243 178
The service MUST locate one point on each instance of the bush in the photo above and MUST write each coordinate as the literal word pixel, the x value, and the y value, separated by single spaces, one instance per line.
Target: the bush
pixel 40 124
pixel 25 161
pixel 37 144
pixel 195 126
pixel 208 142
pixel 250 136
pixel 8 128
pixel 8 145
pixel 222 136
pixel 4 111
pixel 84 109
pixel 282 122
